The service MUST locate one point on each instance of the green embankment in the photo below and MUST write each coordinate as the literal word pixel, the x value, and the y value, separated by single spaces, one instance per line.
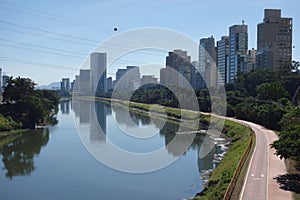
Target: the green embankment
pixel 222 175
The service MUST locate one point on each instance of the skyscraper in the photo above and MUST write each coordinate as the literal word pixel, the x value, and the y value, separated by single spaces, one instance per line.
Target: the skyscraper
pixel 98 72
pixel 180 62
pixel 207 61
pixel 65 85
pixel 134 77
pixel 84 83
pixel 274 41
pixel 119 74
pixel 109 83
pixel 0 81
pixel 238 50
pixel 223 60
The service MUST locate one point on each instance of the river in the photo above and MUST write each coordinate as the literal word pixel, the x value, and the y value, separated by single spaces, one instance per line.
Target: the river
pixel 54 162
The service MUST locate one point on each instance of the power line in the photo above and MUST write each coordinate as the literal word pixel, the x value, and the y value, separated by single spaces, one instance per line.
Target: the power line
pixel 46 31
pixel 80 43
pixel 43 47
pixel 36 63
pixel 48 52
pixel 51 16
pixel 66 55
pixel 43 36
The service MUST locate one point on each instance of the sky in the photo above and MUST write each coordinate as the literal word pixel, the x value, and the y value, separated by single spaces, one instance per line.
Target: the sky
pixel 49 40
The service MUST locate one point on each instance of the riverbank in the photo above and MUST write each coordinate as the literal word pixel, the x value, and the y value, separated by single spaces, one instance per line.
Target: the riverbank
pixel 222 177
pixel 229 174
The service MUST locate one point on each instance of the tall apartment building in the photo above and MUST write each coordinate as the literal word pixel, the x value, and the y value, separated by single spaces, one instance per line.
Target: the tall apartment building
pixel 98 72
pixel 84 83
pixel 223 60
pixel 65 85
pixel 134 77
pixel 207 61
pixel 180 62
pixel 274 40
pixel 129 77
pixel 238 50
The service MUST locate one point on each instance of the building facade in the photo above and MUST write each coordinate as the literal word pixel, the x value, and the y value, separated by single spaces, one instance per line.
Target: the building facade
pixel 274 41
pixel 178 68
pixel 65 85
pixel 207 61
pixel 223 60
pixel 238 50
pixel 98 72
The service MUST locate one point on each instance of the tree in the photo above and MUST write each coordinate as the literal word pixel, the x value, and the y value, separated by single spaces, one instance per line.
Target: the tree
pixel 17 90
pixel 288 144
pixel 271 91
pixel 24 104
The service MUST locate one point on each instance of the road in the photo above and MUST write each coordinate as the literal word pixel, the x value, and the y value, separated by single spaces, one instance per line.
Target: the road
pixel 264 166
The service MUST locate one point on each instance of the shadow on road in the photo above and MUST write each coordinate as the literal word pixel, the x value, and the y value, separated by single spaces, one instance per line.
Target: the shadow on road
pixel 290 182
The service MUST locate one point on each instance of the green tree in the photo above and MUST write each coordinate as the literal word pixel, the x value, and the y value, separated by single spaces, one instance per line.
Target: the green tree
pixel 271 91
pixel 24 104
pixel 288 144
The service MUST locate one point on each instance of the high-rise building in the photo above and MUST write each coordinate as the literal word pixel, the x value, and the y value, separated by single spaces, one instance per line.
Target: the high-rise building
pixel 128 79
pixel 223 60
pixel 134 77
pixel 84 81
pixel 109 83
pixel 274 41
pixel 251 65
pixel 120 73
pixel 207 61
pixel 148 79
pixel 72 85
pixel 0 81
pixel 163 76
pixel 5 79
pixel 98 72
pixel 179 67
pixel 65 85
pixel 238 50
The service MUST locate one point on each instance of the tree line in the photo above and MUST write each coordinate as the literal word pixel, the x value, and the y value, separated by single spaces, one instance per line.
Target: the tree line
pixel 25 107
pixel 263 96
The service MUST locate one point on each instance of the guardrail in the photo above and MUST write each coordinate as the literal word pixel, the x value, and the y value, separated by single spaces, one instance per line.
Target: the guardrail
pixel 237 172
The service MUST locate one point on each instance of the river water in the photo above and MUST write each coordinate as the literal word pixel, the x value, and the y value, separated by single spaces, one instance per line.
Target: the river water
pixel 54 163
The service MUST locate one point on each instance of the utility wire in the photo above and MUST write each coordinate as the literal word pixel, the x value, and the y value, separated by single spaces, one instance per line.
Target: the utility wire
pixel 51 16
pixel 46 31
pixel 43 47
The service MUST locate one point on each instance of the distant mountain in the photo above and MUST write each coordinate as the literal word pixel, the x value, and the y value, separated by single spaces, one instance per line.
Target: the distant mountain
pixel 51 86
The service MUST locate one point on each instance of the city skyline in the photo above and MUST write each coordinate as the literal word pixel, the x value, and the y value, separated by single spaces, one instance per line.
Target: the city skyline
pixel 17 17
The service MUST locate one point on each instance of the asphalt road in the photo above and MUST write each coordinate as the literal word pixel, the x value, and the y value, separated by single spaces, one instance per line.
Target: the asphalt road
pixel 264 167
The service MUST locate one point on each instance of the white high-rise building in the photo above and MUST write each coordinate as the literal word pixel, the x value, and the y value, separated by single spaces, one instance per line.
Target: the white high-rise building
pixel 98 62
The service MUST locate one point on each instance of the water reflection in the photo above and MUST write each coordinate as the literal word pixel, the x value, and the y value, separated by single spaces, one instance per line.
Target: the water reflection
pixel 18 154
pixel 65 106
pixel 135 120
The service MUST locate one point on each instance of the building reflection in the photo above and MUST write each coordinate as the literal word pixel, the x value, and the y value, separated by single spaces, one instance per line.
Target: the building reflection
pixel 65 106
pixel 93 114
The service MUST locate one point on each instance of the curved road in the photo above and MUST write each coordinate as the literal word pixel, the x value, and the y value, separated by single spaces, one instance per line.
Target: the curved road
pixel 264 166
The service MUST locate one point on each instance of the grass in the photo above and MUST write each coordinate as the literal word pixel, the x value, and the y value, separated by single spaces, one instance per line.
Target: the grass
pixel 222 175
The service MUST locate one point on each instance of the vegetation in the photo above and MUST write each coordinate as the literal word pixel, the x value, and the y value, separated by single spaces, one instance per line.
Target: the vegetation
pixel 288 145
pixel 25 107
pixel 222 175
pixel 7 124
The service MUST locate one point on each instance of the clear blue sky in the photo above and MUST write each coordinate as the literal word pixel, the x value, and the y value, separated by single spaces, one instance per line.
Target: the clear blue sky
pixel 195 18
